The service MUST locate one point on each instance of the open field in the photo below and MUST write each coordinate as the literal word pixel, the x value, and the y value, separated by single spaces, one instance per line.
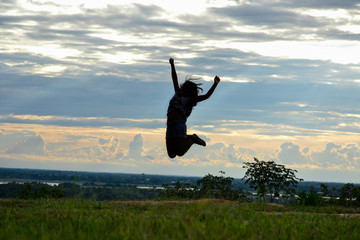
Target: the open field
pixel 203 219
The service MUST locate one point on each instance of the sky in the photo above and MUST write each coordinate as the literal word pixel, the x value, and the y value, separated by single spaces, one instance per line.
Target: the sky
pixel 85 85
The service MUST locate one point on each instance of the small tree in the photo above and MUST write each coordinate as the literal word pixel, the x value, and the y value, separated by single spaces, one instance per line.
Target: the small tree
pixel 210 186
pixel 350 195
pixel 327 196
pixel 25 192
pixel 217 187
pixel 181 190
pixel 270 177
pixel 308 199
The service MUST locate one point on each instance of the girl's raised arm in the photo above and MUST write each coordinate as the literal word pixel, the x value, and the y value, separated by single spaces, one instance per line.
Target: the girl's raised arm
pixel 174 75
pixel 211 90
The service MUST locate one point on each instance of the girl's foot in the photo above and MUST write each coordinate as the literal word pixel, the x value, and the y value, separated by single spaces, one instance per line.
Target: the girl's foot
pixel 198 140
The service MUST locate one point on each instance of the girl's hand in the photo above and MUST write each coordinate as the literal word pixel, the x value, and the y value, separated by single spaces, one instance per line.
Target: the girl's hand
pixel 216 79
pixel 171 61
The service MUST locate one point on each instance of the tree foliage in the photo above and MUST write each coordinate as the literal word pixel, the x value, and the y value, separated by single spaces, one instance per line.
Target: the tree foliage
pixel 219 187
pixel 308 199
pixel 350 195
pixel 269 177
pixel 210 186
pixel 42 192
pixel 181 191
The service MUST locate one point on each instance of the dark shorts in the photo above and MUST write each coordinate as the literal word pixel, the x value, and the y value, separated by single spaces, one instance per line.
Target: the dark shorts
pixel 176 129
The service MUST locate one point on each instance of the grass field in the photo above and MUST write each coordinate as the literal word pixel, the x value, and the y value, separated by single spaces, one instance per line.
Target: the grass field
pixel 204 219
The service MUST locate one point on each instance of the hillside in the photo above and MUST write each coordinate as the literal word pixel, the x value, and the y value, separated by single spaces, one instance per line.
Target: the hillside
pixel 202 219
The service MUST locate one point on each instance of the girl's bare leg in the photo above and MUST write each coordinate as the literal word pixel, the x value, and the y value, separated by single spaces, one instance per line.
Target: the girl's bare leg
pixel 171 147
pixel 184 145
pixel 180 146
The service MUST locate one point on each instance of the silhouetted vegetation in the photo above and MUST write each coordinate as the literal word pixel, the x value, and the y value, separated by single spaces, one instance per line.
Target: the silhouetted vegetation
pixel 348 196
pixel 269 177
pixel 308 199
pixel 43 192
pixel 34 184
pixel 90 178
pixel 210 186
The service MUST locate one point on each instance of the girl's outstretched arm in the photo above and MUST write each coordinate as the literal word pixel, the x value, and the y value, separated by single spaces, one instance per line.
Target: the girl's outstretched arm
pixel 211 90
pixel 174 75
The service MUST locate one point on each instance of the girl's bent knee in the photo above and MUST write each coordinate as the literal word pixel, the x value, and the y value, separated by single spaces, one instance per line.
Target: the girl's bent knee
pixel 181 154
pixel 171 155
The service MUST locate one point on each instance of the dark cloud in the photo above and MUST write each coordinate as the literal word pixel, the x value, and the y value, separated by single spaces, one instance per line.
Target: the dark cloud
pixel 322 4
pixel 111 101
pixel 289 17
pixel 6 4
pixel 266 15
pixel 336 34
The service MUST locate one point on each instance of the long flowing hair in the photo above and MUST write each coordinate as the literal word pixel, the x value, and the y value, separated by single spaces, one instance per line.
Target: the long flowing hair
pixel 192 89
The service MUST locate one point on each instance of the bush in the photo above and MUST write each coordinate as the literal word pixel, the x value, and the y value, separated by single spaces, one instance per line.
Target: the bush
pixel 42 192
pixel 308 199
pixel 350 195
pixel 218 187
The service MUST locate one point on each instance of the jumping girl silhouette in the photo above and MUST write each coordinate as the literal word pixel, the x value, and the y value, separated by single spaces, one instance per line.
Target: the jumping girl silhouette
pixel 180 107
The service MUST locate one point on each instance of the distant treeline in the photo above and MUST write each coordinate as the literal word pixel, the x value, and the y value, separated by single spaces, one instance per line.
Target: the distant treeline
pixel 35 190
pixel 91 178
pixel 95 179
pixel 28 183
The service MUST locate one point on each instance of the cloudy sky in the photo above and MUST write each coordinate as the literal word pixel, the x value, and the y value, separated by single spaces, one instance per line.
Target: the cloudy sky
pixel 85 85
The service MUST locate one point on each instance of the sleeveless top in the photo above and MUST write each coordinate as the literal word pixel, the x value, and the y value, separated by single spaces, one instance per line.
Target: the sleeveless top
pixel 180 104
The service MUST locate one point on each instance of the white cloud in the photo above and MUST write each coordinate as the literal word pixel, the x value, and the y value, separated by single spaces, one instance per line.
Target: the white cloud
pixel 136 148
pixel 291 154
pixel 336 156
pixel 336 51
pixel 22 143
pixel 70 146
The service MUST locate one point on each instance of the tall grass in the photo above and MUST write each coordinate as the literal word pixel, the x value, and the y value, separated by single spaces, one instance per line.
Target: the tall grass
pixel 205 219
